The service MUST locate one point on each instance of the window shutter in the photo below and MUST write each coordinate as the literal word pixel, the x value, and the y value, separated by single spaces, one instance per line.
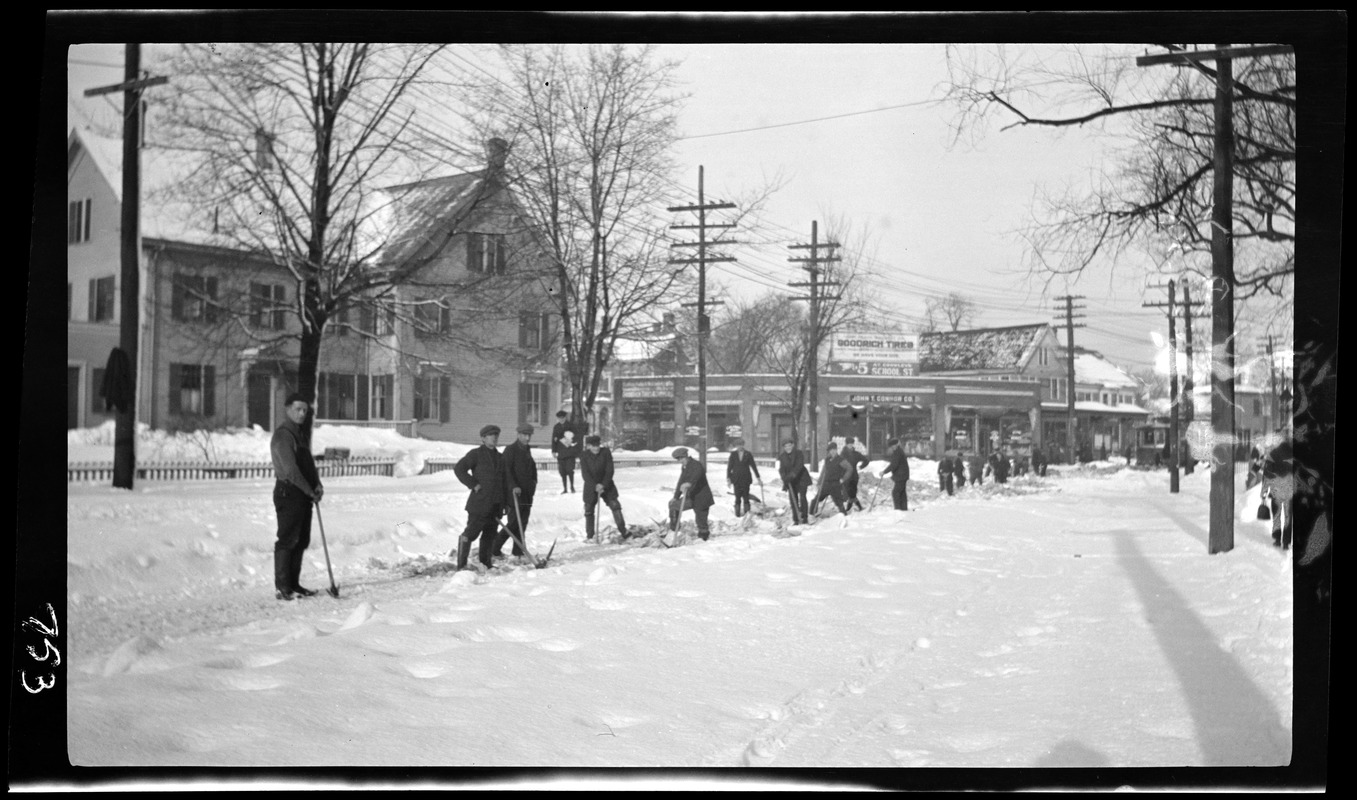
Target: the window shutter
pixel 210 313
pixel 499 253
pixel 88 208
pixel 444 319
pixel 176 386
pixel 361 404
pixel 523 320
pixel 94 293
pixel 209 374
pixel 472 240
pixel 280 315
pixel 444 399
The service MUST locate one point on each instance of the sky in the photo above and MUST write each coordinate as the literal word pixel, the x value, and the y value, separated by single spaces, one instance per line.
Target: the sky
pixel 857 132
pixel 1088 629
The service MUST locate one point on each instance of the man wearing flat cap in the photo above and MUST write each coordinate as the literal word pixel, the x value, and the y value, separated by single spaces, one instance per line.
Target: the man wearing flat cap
pixel 791 467
pixel 741 471
pixel 596 470
pixel 482 471
pixel 692 483
pixel 520 478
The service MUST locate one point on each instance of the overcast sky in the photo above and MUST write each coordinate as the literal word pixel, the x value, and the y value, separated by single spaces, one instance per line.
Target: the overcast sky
pixel 856 132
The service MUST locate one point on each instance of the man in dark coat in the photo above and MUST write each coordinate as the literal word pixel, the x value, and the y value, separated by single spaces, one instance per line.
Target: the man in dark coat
pixel 959 470
pixel 1000 466
pixel 898 468
pixel 482 471
pixel 1038 461
pixel 596 470
pixel 740 474
pixel 832 472
pixel 945 471
pixel 856 461
pixel 520 477
pixel 297 487
pixel 566 448
pixel 791 467
pixel 692 483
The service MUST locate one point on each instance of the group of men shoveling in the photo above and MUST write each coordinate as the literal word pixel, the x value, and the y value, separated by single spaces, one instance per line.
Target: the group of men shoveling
pixel 503 484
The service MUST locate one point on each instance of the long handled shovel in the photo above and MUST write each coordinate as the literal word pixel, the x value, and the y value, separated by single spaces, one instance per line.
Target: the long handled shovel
pixel 677 523
pixel 522 542
pixel 872 503
pixel 333 591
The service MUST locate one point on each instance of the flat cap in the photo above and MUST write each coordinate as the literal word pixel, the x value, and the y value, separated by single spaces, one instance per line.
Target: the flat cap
pixel 490 430
pixel 680 452
pixel 593 439
pixel 525 428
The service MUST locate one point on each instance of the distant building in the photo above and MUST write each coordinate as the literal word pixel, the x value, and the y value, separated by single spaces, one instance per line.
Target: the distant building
pixel 217 334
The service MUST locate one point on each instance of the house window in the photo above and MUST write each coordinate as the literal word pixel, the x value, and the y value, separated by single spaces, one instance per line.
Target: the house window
pixel 339 323
pixel 102 293
pixel 78 221
pixel 485 252
pixel 432 398
pixel 193 389
pixel 380 397
pixel 432 318
pixel 1042 357
pixel 532 330
pixel 194 298
pixel 1258 406
pixel 342 396
pixel 379 319
pixel 97 404
pixel 532 402
pixel 267 306
pixel 1056 388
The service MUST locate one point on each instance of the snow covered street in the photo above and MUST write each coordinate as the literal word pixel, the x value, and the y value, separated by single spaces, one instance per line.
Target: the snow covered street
pixel 1073 620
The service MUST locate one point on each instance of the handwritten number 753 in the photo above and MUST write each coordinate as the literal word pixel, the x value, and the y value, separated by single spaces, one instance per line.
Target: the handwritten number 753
pixel 33 624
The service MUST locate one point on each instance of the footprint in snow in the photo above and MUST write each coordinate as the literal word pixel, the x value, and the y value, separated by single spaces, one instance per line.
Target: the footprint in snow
pixel 358 616
pixel 247 661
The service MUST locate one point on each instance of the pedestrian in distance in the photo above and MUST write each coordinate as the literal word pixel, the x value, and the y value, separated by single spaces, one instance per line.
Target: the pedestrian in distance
pixel 946 470
pixel 855 461
pixel 897 467
pixel 959 470
pixel 832 472
pixel 1001 466
pixel 566 450
pixel 975 464
pixel 596 471
pixel 520 477
pixel 482 471
pixel 740 474
pixel 296 488
pixel 692 484
pixel 1038 462
pixel 791 468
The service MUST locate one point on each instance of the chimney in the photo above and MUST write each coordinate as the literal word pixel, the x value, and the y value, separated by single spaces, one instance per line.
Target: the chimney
pixel 496 150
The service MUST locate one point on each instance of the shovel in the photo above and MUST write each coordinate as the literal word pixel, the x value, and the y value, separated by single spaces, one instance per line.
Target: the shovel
pixel 333 591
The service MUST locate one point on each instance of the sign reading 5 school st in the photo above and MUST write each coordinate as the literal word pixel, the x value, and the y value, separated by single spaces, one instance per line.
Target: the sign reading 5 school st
pixel 886 354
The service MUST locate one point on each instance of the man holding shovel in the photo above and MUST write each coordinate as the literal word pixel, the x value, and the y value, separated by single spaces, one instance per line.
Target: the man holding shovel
pixel 520 476
pixel 296 489
pixel 740 474
pixel 693 492
pixel 482 471
pixel 596 470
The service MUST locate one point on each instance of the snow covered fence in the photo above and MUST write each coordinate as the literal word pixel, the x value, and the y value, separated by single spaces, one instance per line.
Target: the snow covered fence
pixel 216 470
pixel 432 465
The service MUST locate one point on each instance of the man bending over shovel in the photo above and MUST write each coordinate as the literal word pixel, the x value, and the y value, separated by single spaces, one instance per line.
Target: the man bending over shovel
pixel 693 492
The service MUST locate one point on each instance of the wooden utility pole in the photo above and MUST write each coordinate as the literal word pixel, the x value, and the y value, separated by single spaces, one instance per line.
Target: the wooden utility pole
pixel 1189 403
pixel 1173 389
pixel 1070 317
pixel 1221 537
pixel 125 422
pixel 816 333
pixel 702 260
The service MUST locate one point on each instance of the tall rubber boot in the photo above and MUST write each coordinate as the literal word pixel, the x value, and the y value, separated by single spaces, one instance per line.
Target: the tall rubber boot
pixel 589 527
pixel 282 570
pixel 621 523
pixel 463 552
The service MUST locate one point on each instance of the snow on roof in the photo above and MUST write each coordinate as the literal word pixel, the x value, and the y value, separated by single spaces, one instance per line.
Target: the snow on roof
pixel 1093 368
pixel 414 212
pixel 642 349
pixel 985 348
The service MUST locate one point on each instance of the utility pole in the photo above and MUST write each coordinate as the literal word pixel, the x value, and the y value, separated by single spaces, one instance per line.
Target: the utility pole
pixel 1274 408
pixel 1189 408
pixel 1070 317
pixel 1221 537
pixel 816 333
pixel 702 260
pixel 124 432
pixel 1174 398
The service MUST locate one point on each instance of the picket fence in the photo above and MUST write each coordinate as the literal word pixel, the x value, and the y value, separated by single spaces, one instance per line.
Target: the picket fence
pixel 219 470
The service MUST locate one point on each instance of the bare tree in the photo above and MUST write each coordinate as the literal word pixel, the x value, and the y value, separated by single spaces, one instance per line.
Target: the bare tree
pixel 306 159
pixel 743 333
pixel 954 310
pixel 1159 187
pixel 590 131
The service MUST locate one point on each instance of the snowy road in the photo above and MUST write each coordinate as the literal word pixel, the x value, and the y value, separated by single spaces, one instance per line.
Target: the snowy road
pixel 1070 621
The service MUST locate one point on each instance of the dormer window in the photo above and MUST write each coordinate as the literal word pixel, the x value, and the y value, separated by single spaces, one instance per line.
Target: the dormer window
pixel 486 252
pixel 78 221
